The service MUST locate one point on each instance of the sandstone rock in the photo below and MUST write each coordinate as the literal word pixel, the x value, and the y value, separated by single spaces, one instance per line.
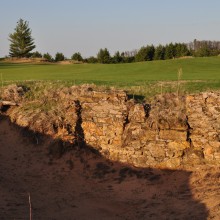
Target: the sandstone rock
pixel 172 131
pixel 178 146
pixel 208 153
pixel 173 135
pixel 171 163
pixel 157 151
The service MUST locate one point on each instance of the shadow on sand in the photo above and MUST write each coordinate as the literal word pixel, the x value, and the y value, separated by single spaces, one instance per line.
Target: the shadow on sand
pixel 83 185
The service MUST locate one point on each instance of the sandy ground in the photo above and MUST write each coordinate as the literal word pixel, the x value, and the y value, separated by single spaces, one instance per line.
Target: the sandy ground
pixel 83 185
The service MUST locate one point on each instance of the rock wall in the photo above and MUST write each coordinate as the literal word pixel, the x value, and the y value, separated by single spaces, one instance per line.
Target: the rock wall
pixel 167 132
pixel 203 113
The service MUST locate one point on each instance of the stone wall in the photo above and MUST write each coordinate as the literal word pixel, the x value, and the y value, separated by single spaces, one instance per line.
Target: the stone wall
pixel 167 132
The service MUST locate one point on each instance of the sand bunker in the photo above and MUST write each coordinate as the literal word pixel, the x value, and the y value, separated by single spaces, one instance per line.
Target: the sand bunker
pixel 83 185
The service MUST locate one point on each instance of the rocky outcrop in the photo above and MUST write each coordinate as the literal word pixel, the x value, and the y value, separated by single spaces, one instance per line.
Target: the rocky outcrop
pixel 13 93
pixel 203 113
pixel 167 132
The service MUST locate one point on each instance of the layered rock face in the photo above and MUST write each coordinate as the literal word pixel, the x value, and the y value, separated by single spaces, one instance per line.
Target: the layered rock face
pixel 203 113
pixel 167 132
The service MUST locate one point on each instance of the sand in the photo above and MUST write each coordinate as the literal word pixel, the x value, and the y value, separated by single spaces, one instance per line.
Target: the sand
pixel 83 185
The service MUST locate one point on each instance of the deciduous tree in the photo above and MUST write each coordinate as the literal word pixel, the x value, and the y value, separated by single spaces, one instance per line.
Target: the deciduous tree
pixel 59 57
pixel 77 57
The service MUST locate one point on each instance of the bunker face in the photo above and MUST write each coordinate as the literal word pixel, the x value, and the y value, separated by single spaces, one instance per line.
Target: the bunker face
pixel 168 132
pixel 65 162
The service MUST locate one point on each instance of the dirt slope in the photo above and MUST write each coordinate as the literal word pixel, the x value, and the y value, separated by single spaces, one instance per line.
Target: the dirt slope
pixel 82 185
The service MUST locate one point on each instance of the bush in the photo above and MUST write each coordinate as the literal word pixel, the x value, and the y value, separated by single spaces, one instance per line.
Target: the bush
pixel 91 60
pixel 48 57
pixel 59 57
pixel 36 55
pixel 77 57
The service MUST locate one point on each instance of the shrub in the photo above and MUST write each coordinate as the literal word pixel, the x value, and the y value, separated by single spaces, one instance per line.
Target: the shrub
pixel 48 57
pixel 77 57
pixel 59 57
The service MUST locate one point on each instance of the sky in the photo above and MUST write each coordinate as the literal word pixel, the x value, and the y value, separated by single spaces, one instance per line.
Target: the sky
pixel 85 26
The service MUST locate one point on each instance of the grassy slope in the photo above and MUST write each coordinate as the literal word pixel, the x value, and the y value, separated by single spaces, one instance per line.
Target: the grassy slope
pixel 207 69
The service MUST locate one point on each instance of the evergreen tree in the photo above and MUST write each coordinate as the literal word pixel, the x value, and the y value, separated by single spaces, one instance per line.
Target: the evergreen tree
pixel 178 50
pixel 141 55
pixel 21 40
pixel 145 54
pixel 159 53
pixel 184 50
pixel 117 58
pixel 150 53
pixel 169 51
pixel 103 56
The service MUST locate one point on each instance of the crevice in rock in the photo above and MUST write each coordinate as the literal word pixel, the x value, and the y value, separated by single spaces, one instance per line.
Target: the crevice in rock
pixel 189 129
pixel 189 150
pixel 4 108
pixel 69 129
pixel 147 108
pixel 55 128
pixel 79 132
pixel 126 122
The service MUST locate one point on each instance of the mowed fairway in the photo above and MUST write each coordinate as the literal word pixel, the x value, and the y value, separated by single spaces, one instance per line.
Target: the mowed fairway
pixel 205 69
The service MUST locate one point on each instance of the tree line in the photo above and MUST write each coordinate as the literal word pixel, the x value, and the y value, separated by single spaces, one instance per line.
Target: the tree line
pixel 22 45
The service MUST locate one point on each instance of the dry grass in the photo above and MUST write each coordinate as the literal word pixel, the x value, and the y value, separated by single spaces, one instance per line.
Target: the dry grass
pixel 25 60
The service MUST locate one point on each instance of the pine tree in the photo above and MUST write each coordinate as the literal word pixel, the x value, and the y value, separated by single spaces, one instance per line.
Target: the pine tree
pixel 141 55
pixel 117 58
pixel 21 40
pixel 103 56
pixel 169 51
pixel 145 54
pixel 159 52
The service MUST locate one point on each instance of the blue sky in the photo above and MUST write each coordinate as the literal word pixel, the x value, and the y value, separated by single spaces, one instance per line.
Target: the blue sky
pixel 70 26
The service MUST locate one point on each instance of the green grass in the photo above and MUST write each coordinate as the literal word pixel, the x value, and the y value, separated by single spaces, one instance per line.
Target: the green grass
pixel 200 73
